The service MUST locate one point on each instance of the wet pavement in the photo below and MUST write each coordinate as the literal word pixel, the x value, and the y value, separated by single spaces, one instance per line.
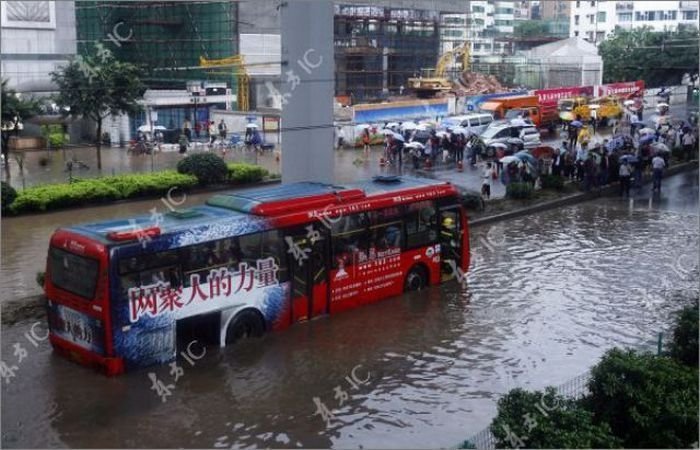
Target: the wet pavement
pixel 547 294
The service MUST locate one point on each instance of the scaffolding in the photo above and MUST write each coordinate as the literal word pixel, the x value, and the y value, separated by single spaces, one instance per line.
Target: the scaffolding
pixel 165 39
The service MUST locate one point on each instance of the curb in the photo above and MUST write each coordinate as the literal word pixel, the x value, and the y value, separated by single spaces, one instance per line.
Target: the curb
pixel 607 191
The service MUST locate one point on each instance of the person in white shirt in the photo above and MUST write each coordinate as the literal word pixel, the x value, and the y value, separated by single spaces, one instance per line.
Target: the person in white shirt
pixel 625 175
pixel 486 181
pixel 688 143
pixel 657 164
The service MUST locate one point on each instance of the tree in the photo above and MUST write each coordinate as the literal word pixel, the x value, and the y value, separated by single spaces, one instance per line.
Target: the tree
pixel 547 420
pixel 96 86
pixel 658 58
pixel 684 347
pixel 14 110
pixel 528 28
pixel 648 401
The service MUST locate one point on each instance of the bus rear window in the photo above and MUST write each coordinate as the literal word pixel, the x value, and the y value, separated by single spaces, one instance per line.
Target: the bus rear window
pixel 73 273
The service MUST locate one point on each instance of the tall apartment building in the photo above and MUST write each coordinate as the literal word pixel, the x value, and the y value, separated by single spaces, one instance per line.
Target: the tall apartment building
pixel 594 20
pixel 36 39
pixel 488 19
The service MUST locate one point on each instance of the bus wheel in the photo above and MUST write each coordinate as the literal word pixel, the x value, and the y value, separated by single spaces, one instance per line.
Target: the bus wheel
pixel 416 279
pixel 247 323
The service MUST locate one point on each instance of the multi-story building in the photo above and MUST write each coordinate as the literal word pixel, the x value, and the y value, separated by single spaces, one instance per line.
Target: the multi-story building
pixel 555 9
pixel 487 20
pixel 453 31
pixel 504 16
pixel 596 20
pixel 592 20
pixel 36 38
pixel 522 10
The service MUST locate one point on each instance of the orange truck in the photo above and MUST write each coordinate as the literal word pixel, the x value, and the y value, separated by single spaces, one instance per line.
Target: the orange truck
pixel 525 106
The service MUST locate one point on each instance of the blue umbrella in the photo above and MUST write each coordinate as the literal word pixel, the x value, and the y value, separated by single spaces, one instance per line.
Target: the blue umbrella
pixel 524 155
pixel 576 123
pixel 646 138
pixel 630 159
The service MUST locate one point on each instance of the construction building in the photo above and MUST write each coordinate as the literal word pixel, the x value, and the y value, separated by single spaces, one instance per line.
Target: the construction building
pixel 171 42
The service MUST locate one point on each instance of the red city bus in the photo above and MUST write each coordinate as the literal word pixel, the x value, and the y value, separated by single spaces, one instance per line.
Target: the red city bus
pixel 123 293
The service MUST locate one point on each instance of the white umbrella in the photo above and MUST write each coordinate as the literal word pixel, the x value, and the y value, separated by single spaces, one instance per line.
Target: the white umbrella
pixel 422 127
pixel 408 126
pixel 145 128
pixel 252 125
pixel 646 130
pixel 398 137
pixel 662 105
pixel 660 147
pixel 392 125
pixel 363 126
pixel 460 130
pixel 387 132
pixel 509 159
pixel 593 106
pixel 628 102
pixel 442 134
pixel 415 144
pixel 518 122
pixel 498 145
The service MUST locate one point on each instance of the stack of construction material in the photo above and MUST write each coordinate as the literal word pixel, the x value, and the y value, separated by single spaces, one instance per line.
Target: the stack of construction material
pixel 473 83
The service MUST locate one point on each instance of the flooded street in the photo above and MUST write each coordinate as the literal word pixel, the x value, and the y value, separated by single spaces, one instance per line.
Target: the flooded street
pixel 547 294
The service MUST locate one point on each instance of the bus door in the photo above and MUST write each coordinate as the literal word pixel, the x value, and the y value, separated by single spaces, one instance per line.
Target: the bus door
pixel 308 254
pixel 451 239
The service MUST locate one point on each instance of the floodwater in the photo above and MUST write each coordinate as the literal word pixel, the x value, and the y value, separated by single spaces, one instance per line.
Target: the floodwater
pixel 546 296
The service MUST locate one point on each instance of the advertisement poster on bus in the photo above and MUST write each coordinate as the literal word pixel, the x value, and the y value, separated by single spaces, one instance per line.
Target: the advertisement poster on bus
pixel 623 89
pixel 550 97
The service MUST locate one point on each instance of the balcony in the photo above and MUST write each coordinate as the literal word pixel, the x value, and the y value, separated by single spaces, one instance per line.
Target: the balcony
pixel 624 6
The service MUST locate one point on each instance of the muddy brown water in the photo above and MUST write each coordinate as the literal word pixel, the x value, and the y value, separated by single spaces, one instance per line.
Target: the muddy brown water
pixel 546 295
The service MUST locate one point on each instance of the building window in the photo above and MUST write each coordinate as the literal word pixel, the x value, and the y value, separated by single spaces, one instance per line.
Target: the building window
pixel 624 17
pixel 689 15
pixel 578 4
pixel 591 19
pixel 576 17
pixel 576 33
pixel 600 36
pixel 593 3
pixel 477 9
pixel 601 16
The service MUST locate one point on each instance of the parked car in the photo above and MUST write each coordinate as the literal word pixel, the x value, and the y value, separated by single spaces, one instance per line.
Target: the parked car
pixel 475 123
pixel 529 134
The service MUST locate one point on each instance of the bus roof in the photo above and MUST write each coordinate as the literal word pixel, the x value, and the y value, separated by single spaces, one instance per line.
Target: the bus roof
pixel 269 201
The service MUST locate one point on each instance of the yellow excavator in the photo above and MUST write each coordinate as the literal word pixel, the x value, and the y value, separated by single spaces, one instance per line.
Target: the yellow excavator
pixel 432 81
pixel 239 70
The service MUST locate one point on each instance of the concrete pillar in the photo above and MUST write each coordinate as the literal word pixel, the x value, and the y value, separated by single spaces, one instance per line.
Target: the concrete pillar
pixel 306 93
pixel 385 70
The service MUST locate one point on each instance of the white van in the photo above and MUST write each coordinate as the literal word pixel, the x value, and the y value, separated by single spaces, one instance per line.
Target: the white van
pixel 476 123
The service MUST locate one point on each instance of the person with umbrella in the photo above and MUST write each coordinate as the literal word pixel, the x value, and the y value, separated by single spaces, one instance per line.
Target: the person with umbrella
pixel 574 130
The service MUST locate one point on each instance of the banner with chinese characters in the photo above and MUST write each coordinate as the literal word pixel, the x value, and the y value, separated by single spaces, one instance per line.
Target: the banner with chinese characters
pixel 550 97
pixel 621 89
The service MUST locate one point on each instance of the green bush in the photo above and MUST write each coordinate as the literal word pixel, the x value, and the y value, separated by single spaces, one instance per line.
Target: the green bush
pixel 472 201
pixel 93 190
pixel 55 135
pixel 552 182
pixel 207 167
pixel 520 422
pixel 8 194
pixel 519 190
pixel 649 401
pixel 245 173
pixel 684 347
pixel 40 277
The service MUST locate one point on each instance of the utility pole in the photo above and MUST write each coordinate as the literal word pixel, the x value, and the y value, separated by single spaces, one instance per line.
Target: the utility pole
pixel 306 94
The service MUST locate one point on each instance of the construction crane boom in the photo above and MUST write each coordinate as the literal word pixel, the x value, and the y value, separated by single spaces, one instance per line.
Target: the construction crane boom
pixel 239 70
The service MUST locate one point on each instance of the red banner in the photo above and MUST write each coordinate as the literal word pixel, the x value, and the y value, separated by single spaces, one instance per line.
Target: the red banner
pixel 550 97
pixel 623 89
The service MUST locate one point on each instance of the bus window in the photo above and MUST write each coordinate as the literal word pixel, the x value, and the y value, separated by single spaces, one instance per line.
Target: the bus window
pixel 386 230
pixel 420 220
pixel 272 247
pixel 349 236
pixel 73 273
pixel 146 270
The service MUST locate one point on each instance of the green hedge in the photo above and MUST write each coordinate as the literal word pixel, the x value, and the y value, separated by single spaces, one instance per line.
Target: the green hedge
pixel 684 347
pixel 52 196
pixel 245 173
pixel 207 167
pixel 519 190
